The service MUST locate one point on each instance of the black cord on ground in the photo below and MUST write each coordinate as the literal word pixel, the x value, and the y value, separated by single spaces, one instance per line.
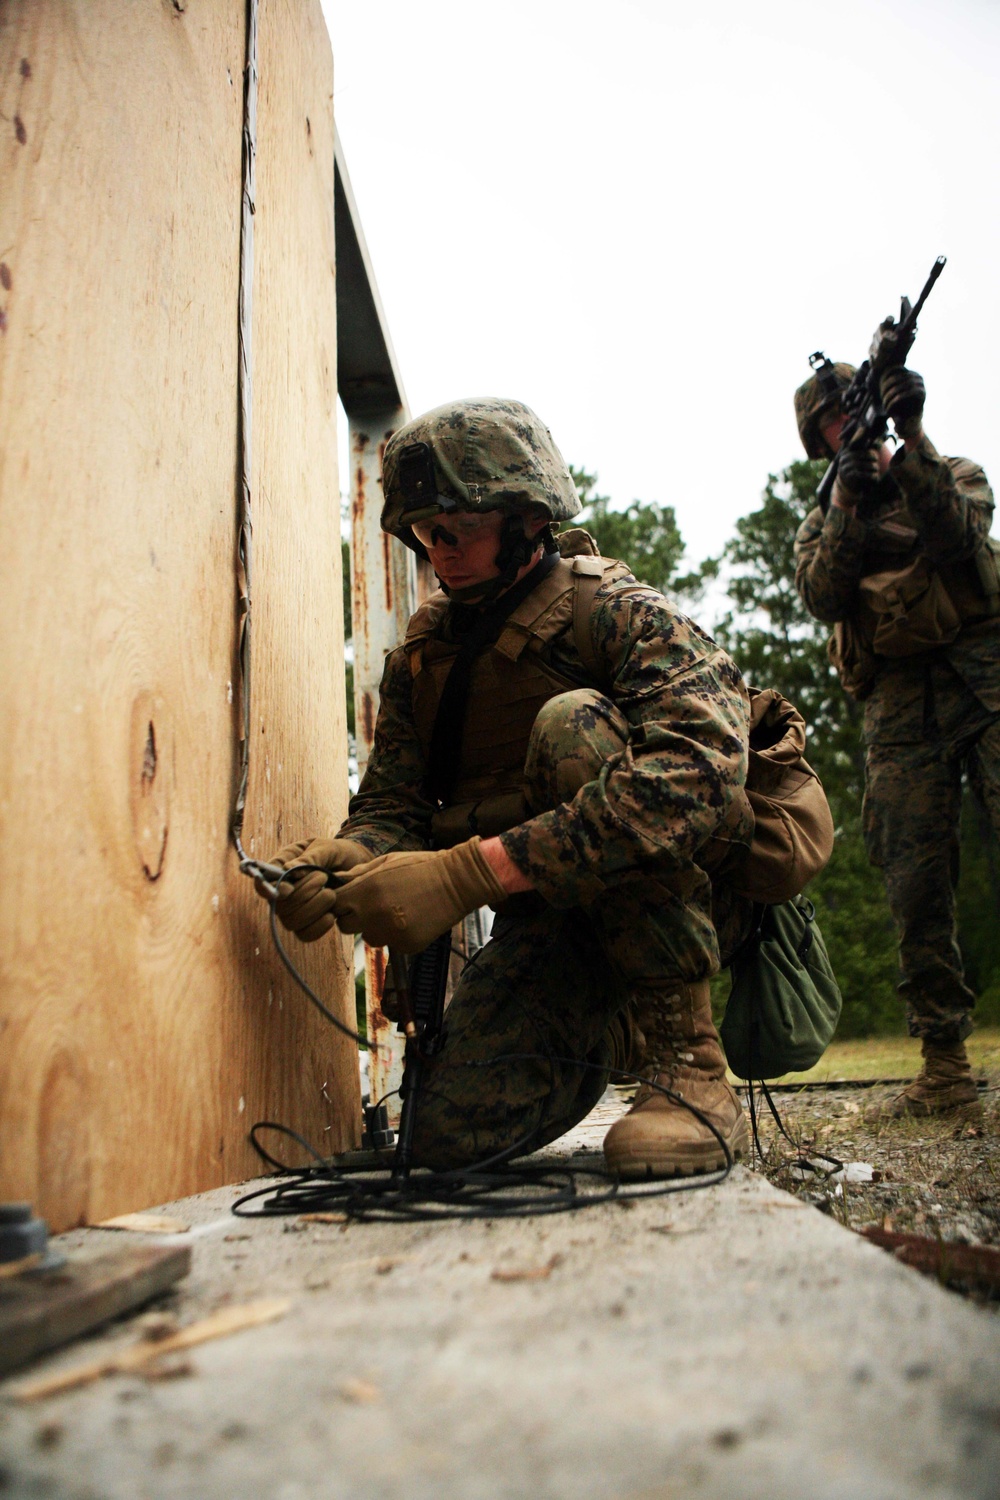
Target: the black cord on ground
pixel 491 1188
pixel 494 1188
pixel 804 1163
pixel 270 876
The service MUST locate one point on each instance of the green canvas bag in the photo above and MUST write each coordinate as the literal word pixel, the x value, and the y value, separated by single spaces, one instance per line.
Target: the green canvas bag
pixel 785 1002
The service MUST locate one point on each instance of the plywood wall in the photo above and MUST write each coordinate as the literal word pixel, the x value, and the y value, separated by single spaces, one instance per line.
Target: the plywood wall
pixel 144 1021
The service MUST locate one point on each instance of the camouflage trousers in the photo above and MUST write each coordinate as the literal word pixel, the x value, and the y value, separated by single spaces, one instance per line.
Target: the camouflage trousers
pixel 547 1008
pixel 912 807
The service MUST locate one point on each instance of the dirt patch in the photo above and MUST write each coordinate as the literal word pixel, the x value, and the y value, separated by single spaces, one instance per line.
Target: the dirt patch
pixel 938 1178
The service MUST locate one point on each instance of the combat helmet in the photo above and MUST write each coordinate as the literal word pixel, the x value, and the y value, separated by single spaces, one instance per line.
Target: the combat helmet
pixel 816 397
pixel 477 455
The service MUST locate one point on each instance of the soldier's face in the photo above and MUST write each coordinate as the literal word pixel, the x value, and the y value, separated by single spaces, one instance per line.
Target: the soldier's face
pixel 462 546
pixel 831 430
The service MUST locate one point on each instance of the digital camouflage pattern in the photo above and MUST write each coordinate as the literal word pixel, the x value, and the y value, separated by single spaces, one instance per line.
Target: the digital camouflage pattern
pixel 811 401
pixel 488 454
pixel 533 1029
pixel 948 504
pixel 927 718
pixel 678 779
pixel 558 997
pixel 912 806
pixel 640 777
pixel 651 807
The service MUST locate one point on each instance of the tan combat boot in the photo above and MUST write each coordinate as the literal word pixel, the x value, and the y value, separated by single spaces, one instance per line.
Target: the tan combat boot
pixel 658 1137
pixel 944 1086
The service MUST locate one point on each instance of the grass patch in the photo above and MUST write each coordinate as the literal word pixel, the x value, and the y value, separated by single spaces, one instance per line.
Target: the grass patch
pixel 891 1057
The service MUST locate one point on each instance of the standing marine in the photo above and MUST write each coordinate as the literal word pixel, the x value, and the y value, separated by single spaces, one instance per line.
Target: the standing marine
pixel 557 741
pixel 902 567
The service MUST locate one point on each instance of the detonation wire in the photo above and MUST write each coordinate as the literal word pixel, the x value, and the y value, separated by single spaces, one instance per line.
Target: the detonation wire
pixel 803 1162
pixel 244 545
pixel 490 1188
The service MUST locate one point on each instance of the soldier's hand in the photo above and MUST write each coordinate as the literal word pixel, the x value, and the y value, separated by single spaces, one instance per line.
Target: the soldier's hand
pixel 858 472
pixel 405 901
pixel 305 903
pixel 903 395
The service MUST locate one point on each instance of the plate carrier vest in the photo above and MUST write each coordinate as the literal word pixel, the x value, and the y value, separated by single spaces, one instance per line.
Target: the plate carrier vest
pixel 509 683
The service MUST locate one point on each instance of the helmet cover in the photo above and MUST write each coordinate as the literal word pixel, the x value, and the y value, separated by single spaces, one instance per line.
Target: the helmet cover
pixel 816 398
pixel 478 455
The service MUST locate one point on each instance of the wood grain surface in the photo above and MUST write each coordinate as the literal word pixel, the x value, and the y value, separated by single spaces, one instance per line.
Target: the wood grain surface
pixel 144 1020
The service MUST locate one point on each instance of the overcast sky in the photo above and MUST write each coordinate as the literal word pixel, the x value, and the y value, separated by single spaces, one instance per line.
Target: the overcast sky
pixel 640 218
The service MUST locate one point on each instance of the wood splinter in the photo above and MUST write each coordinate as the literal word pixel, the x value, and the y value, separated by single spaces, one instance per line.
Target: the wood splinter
pixel 147 1354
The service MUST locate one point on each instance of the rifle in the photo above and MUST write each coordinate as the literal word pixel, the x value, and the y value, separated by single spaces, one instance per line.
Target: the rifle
pixel 421 985
pixel 867 422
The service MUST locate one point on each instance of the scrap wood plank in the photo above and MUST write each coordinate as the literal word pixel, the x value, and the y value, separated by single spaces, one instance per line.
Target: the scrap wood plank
pixel 976 1266
pixel 42 1310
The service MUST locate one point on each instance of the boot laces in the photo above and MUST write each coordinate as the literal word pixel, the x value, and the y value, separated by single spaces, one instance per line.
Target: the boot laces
pixel 666 1056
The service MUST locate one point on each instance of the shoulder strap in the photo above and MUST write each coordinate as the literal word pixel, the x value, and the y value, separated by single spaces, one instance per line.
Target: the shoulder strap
pixel 529 618
pixel 587 583
pixel 426 618
pixel 590 573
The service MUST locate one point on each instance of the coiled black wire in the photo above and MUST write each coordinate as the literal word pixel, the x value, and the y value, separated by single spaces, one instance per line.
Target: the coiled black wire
pixel 494 1188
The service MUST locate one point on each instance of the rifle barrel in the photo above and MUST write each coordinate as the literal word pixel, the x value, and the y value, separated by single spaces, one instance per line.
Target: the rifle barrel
pixel 936 270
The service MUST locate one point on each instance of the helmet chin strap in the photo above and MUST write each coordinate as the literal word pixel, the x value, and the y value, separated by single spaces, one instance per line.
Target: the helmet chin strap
pixel 516 548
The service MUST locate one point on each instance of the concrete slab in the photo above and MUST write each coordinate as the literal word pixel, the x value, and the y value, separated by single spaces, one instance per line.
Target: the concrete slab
pixel 728 1344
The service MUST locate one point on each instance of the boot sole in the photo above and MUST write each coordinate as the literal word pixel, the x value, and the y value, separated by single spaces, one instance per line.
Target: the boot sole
pixel 643 1162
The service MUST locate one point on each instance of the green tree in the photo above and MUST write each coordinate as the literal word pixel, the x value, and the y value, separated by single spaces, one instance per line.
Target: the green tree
pixel 646 537
pixel 778 644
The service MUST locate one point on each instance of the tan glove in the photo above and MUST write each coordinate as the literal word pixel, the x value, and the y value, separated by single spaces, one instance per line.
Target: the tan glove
pixel 305 906
pixel 405 901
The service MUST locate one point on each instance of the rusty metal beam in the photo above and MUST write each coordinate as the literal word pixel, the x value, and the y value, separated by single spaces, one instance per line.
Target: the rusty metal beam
pixel 381 592
pixel 383 578
pixel 381 581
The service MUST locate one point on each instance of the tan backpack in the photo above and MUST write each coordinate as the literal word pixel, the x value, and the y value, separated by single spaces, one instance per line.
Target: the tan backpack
pixel 793 826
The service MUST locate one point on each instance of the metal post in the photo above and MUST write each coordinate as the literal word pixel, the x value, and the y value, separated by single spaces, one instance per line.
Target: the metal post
pixel 381 603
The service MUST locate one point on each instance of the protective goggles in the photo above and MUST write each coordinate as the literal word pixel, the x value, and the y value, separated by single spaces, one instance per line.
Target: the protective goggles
pixel 458 528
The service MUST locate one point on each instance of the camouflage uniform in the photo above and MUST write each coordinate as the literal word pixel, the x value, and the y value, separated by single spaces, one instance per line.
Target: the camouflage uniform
pixel 927 716
pixel 622 788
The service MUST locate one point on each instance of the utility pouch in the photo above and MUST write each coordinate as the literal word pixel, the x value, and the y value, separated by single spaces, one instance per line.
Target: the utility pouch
pixel 912 610
pixel 785 1002
pixel 487 817
pixel 987 565
pixel 853 658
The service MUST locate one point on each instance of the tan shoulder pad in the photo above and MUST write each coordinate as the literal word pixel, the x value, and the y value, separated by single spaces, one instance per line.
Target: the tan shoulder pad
pixel 425 620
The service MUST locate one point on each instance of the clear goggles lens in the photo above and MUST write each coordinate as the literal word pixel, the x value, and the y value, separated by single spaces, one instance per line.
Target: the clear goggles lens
pixel 461 524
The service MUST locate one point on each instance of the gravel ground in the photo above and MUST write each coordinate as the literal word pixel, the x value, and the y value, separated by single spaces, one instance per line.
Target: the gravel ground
pixel 939 1178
